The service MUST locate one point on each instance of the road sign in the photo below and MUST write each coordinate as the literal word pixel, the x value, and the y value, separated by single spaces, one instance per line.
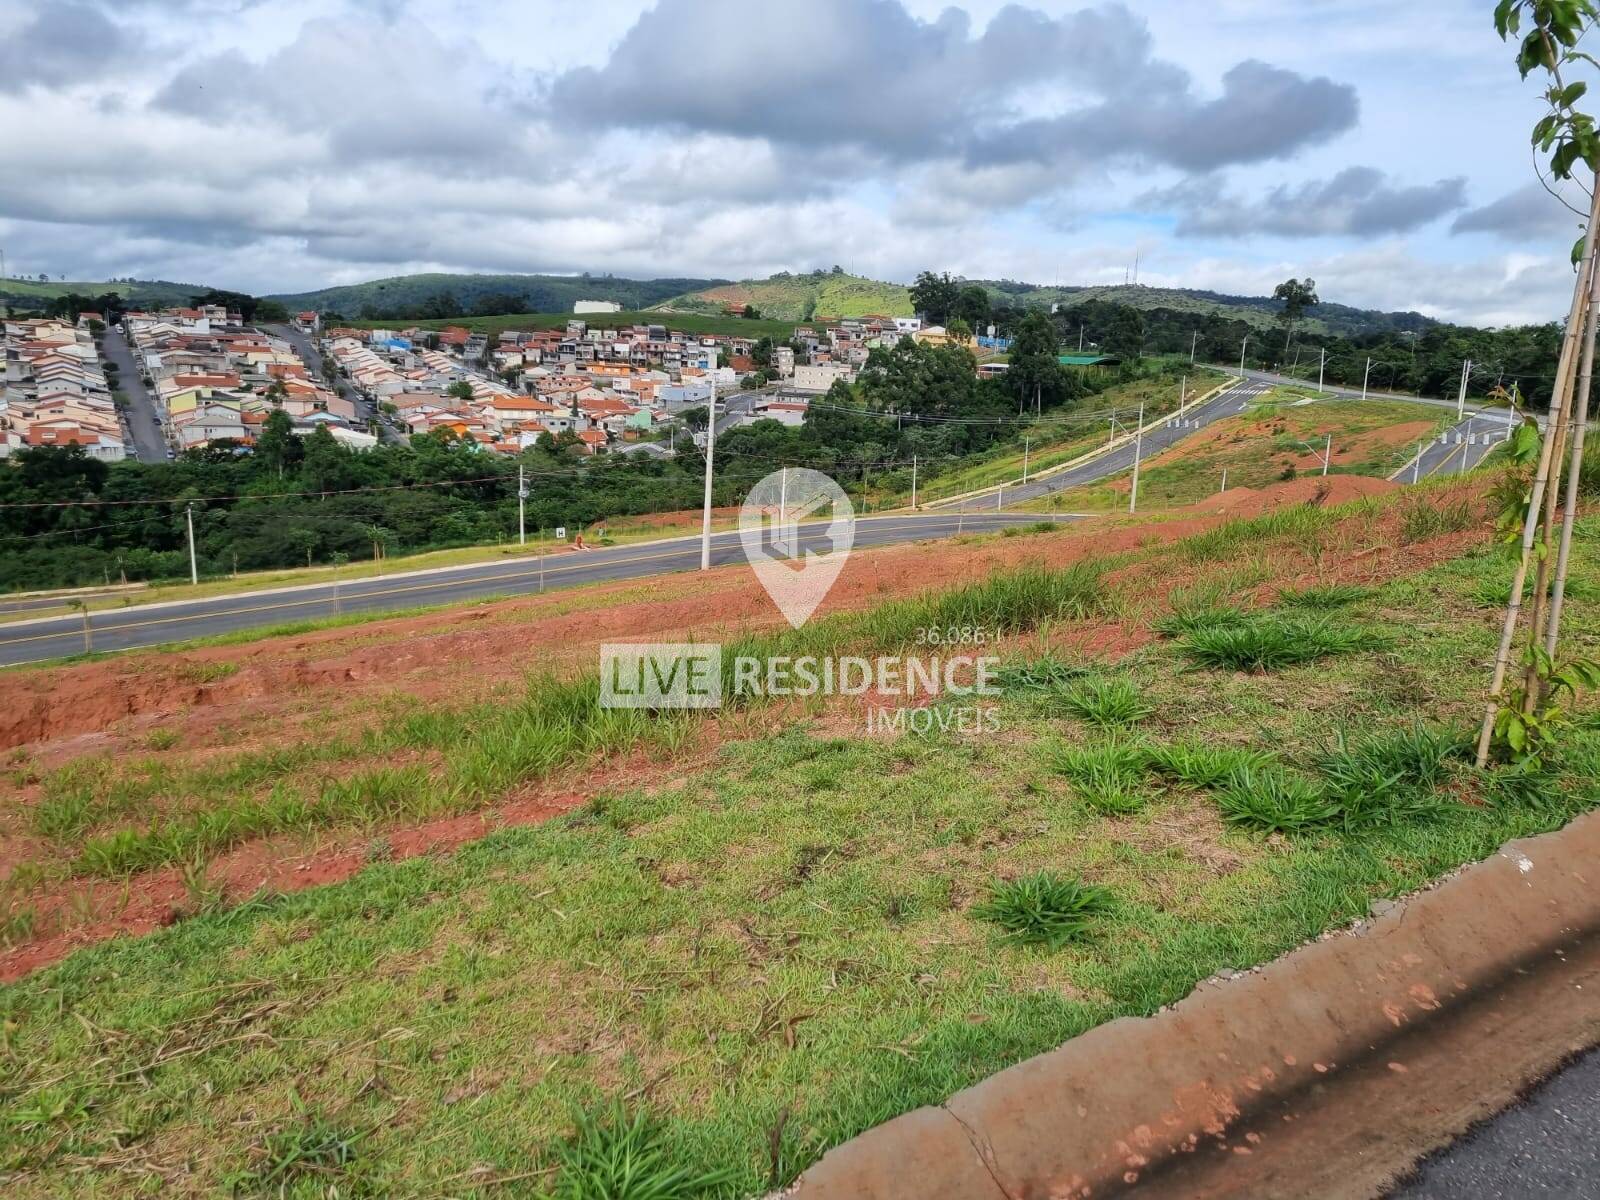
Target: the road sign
pixel 561 533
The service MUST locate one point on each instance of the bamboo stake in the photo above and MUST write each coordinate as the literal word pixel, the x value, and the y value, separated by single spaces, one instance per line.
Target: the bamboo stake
pixel 1560 419
pixel 1578 318
pixel 1569 513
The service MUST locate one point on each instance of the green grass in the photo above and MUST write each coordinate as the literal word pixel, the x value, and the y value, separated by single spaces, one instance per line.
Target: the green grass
pixel 767 952
pixel 1108 703
pixel 1044 909
pixel 696 323
pixel 1270 643
pixel 1323 596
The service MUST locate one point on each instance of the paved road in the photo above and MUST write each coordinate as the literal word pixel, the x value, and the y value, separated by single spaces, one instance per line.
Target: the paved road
pixel 1459 449
pixel 152 624
pixel 1114 462
pixel 1544 1146
pixel 149 444
pixel 312 357
pixel 1343 393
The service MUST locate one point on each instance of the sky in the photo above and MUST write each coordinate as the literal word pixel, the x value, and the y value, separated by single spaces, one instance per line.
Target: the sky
pixel 279 146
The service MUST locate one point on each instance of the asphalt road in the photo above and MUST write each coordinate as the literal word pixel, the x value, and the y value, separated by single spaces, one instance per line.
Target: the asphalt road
pixel 1344 393
pixel 149 444
pixel 312 357
pixel 152 624
pixel 1544 1146
pixel 1114 462
pixel 1462 447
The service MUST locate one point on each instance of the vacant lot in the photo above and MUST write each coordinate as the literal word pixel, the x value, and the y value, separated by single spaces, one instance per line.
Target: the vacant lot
pixel 762 933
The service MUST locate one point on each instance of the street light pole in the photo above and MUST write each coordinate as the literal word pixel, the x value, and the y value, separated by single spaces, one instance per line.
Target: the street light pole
pixel 1461 396
pixel 1025 460
pixel 1242 345
pixel 194 569
pixel 1327 454
pixel 1193 342
pixel 913 483
pixel 1321 366
pixel 711 446
pixel 522 502
pixel 1138 449
pixel 1365 375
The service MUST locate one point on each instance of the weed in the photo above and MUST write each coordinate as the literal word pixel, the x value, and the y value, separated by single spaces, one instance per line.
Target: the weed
pixel 1108 703
pixel 614 1156
pixel 1270 643
pixel 1271 801
pixel 1108 777
pixel 1204 766
pixel 201 894
pixel 1421 520
pixel 161 739
pixel 1323 596
pixel 1044 674
pixel 1043 909
pixel 17 922
pixel 207 672
pixel 308 1150
pixel 1179 623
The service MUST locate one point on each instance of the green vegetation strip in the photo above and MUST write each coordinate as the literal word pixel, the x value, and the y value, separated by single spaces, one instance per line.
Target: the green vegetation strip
pixel 700 987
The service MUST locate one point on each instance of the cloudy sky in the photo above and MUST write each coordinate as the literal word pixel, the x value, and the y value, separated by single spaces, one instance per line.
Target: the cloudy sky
pixel 292 144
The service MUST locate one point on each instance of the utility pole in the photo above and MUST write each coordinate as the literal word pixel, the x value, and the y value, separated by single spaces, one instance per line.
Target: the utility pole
pixel 1242 345
pixel 1365 375
pixel 913 482
pixel 1321 366
pixel 1327 454
pixel 1025 460
pixel 1193 342
pixel 1080 339
pixel 711 446
pixel 522 508
pixel 1183 392
pixel 194 568
pixel 1461 396
pixel 1224 486
pixel 1416 463
pixel 1138 450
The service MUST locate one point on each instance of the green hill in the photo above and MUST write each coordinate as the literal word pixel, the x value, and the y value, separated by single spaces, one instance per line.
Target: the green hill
pixel 445 295
pixel 820 296
pixel 1261 311
pixel 149 293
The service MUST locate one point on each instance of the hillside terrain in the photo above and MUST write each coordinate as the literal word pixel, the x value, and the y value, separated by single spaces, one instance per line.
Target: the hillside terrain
pixel 1327 317
pixel 148 293
pixel 819 296
pixel 690 322
pixel 407 295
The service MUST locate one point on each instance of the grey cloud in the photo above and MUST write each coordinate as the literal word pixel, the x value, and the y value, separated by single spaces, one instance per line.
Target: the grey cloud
pixel 62 44
pixel 1358 202
pixel 1528 214
pixel 866 73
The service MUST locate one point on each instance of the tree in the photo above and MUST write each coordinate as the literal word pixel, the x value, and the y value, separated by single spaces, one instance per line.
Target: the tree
pixel 751 313
pixel 935 296
pixel 960 332
pixel 277 447
pixel 1124 335
pixel 1036 376
pixel 972 306
pixel 1297 296
pixel 460 390
pixel 761 353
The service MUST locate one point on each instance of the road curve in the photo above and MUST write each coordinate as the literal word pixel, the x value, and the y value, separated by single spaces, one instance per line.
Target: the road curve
pixel 153 624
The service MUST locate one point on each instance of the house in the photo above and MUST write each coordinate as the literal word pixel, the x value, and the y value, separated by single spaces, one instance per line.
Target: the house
pixel 308 322
pixel 819 377
pixel 596 306
pixel 593 440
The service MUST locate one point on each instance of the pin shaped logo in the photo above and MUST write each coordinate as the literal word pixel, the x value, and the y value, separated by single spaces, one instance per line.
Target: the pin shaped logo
pixel 797 527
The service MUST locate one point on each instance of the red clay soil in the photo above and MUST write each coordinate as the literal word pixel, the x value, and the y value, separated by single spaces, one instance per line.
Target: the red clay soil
pixel 1326 490
pixel 454 656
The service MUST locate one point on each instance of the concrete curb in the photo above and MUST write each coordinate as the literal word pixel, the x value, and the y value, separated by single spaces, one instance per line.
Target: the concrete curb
pixel 1138 1096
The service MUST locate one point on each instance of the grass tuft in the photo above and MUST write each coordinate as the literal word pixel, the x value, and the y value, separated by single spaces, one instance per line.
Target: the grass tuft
pixel 1044 909
pixel 1200 765
pixel 310 1156
pixel 1044 674
pixel 1108 777
pixel 1323 596
pixel 1108 703
pixel 612 1155
pixel 1222 616
pixel 1270 800
pixel 1420 520
pixel 1271 643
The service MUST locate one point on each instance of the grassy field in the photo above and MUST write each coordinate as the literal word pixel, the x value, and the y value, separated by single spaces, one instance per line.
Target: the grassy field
pixel 698 323
pixel 145 291
pixel 818 297
pixel 815 931
pixel 1271 442
pixel 1052 442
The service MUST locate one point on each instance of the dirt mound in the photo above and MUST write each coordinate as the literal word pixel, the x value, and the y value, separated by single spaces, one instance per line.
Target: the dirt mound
pixel 1331 489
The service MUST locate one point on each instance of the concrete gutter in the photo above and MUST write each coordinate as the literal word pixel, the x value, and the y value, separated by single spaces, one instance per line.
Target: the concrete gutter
pixel 1327 1072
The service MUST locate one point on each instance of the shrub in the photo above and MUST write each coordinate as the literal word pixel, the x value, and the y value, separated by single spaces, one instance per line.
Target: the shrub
pixel 1270 643
pixel 1108 703
pixel 1271 801
pixel 1043 909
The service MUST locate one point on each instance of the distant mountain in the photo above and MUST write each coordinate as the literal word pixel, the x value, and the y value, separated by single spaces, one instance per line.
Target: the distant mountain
pixel 1262 311
pixel 446 295
pixel 140 293
pixel 819 296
